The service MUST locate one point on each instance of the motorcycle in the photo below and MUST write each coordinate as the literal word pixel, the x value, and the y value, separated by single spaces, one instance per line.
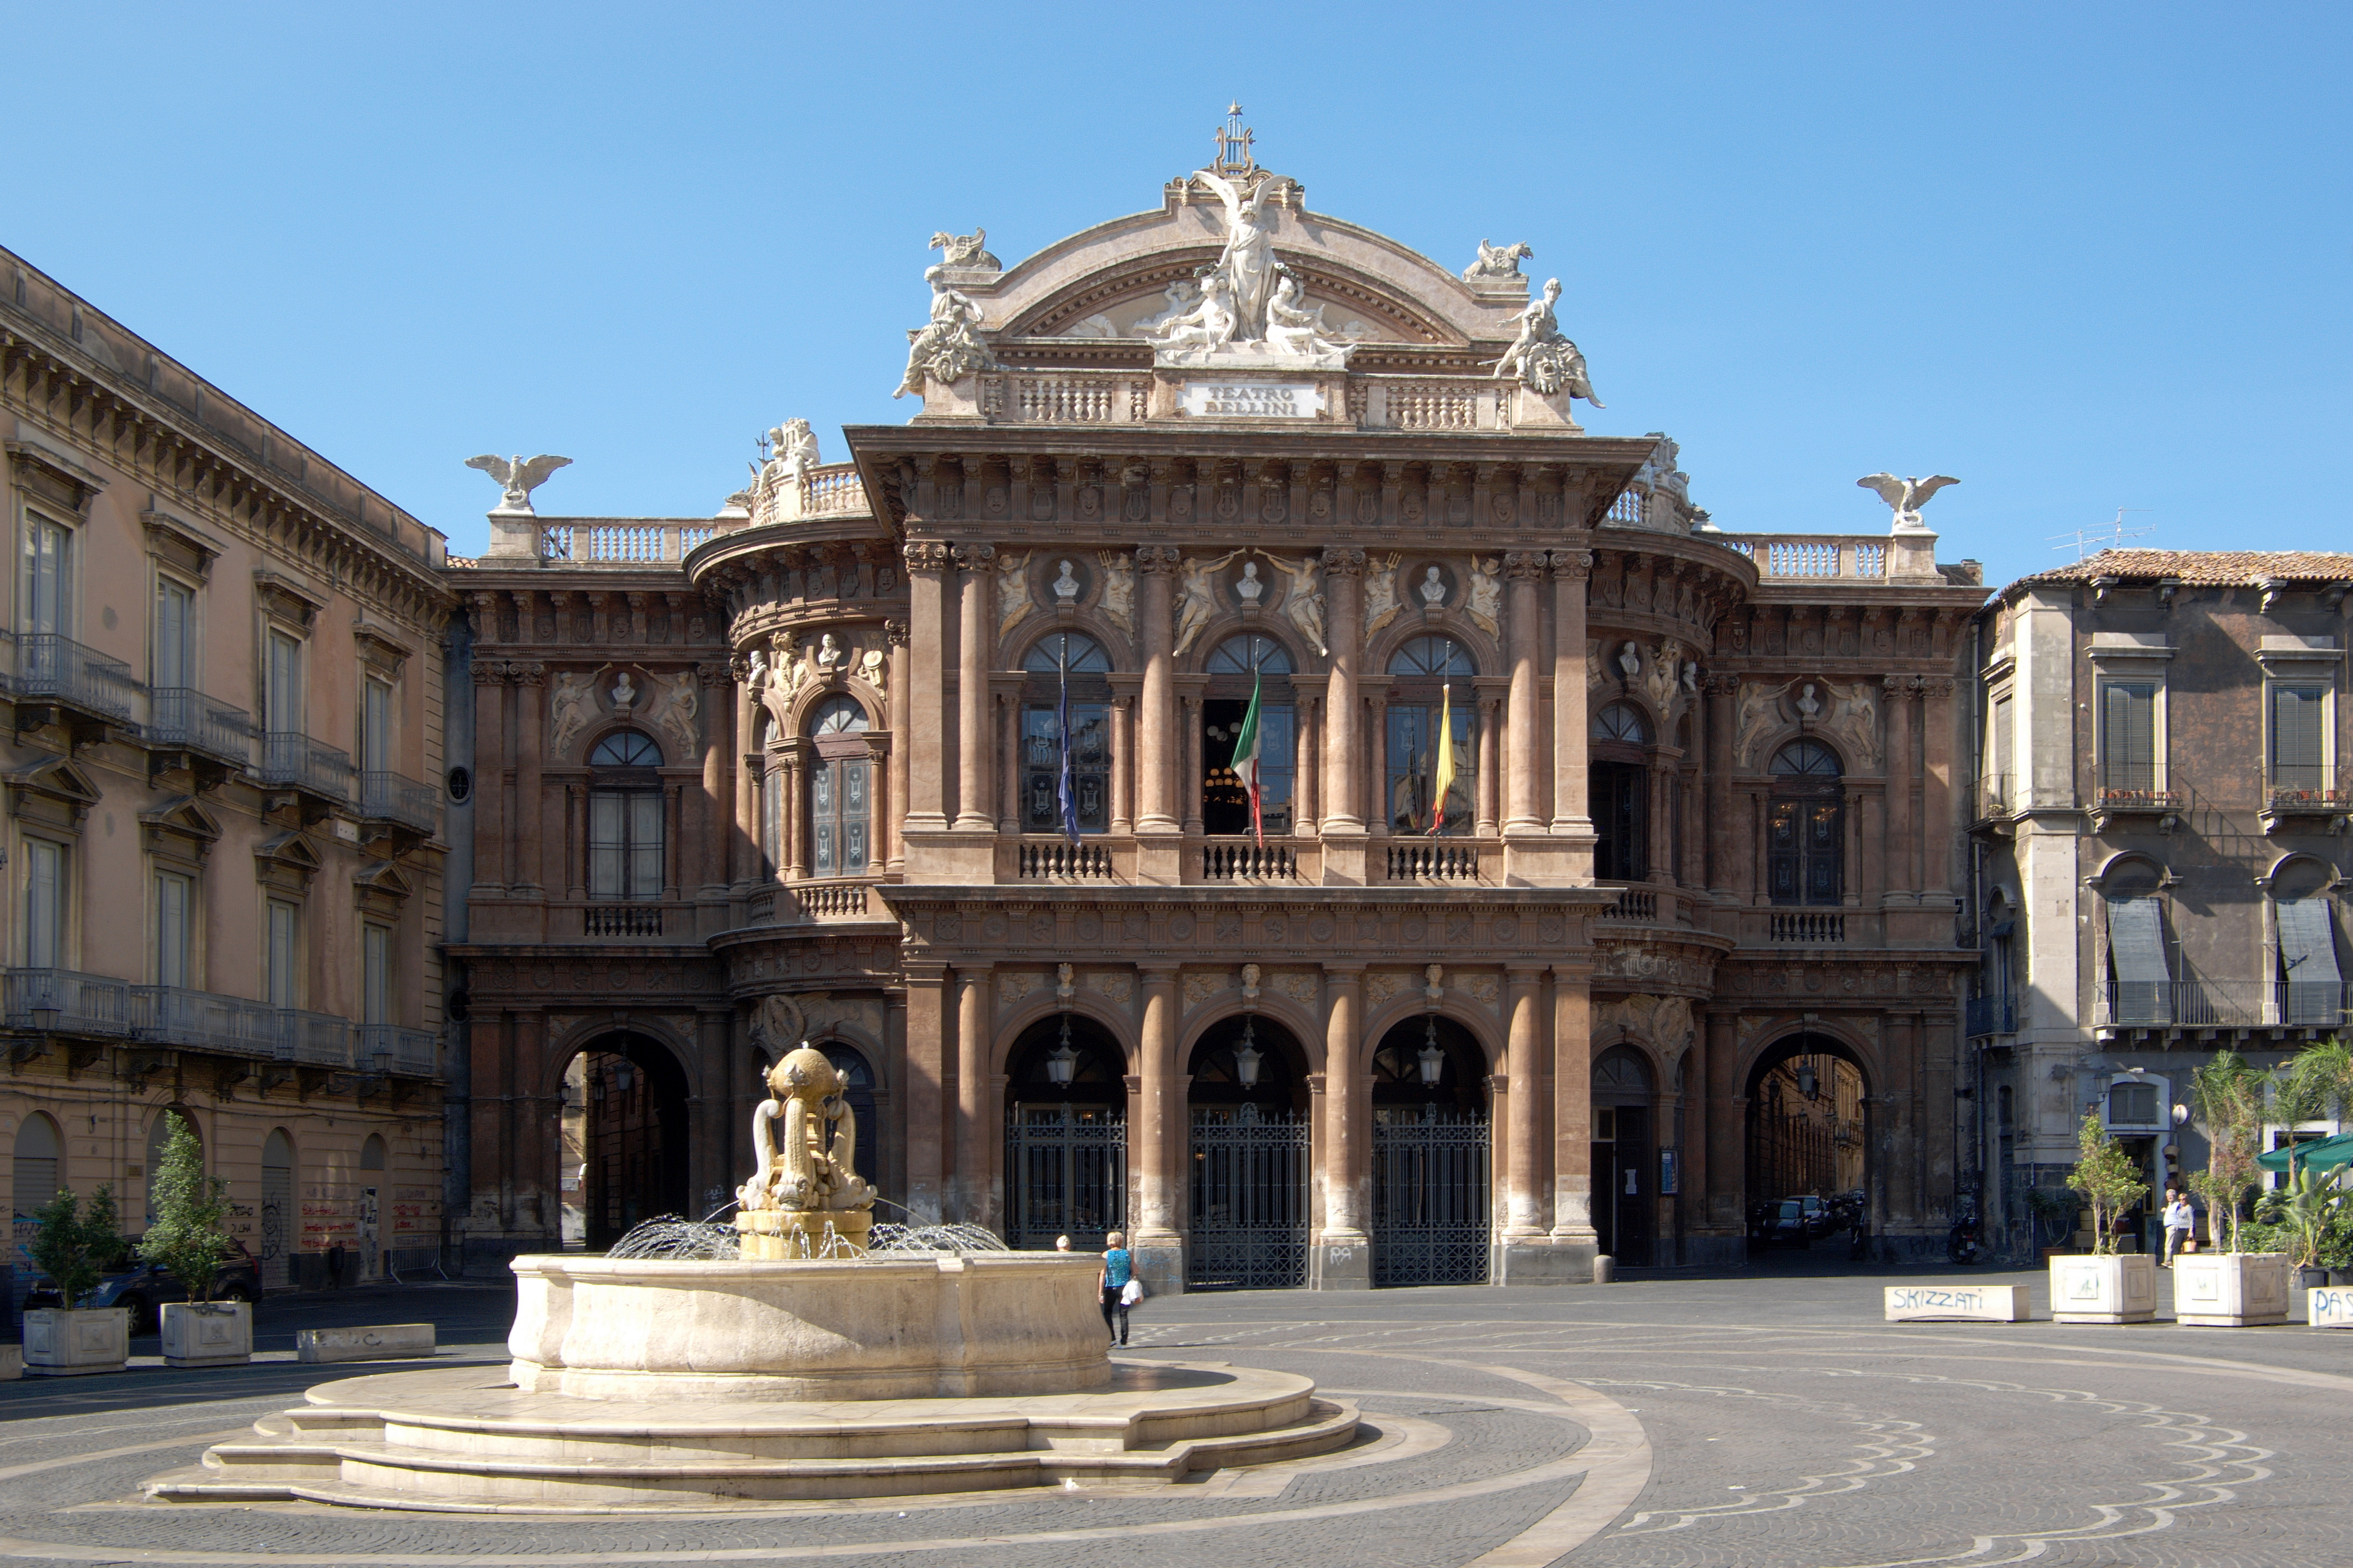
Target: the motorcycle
pixel 1965 1244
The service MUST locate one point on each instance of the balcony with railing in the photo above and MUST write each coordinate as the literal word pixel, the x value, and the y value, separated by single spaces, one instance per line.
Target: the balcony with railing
pixel 1247 860
pixel 1806 928
pixel 1814 557
pixel 2303 797
pixel 1060 860
pixel 1990 800
pixel 1426 860
pixel 291 760
pixel 54 669
pixel 1065 397
pixel 1990 1015
pixel 2132 791
pixel 313 1039
pixel 65 1001
pixel 388 1048
pixel 622 542
pixel 183 717
pixel 635 921
pixel 2223 1006
pixel 833 901
pixel 201 1020
pixel 389 797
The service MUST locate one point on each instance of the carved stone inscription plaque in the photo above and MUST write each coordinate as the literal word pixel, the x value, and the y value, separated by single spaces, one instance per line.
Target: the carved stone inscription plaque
pixel 1254 399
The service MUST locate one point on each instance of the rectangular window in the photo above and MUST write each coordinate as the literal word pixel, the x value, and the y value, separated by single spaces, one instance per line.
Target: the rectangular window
pixel 376 974
pixel 46 944
pixel 375 727
pixel 1041 767
pixel 1999 788
pixel 2307 960
pixel 281 694
pixel 48 577
pixel 176 897
pixel 2128 760
pixel 2141 981
pixel 281 979
pixel 2299 729
pixel 772 819
pixel 624 844
pixel 2132 1105
pixel 172 661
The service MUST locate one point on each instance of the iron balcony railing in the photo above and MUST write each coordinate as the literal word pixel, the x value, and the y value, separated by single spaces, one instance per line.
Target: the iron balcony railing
pixel 183 716
pixel 2295 787
pixel 294 761
pixel 388 1048
pixel 1992 1015
pixel 389 797
pixel 64 1002
pixel 313 1039
pixel 62 671
pixel 2225 1004
pixel 1993 796
pixel 202 1020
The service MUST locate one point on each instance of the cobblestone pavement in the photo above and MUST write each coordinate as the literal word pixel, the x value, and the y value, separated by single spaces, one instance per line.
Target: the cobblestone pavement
pixel 1759 1422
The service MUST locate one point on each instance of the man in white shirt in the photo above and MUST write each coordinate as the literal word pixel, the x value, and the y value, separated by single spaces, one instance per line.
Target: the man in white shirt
pixel 2179 1219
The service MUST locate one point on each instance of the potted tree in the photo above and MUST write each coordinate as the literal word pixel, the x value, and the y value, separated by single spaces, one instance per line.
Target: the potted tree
pixel 187 1239
pixel 73 1247
pixel 2103 1286
pixel 2227 1287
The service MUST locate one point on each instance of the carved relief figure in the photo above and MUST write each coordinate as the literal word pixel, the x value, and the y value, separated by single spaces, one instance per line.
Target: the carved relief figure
pixel 793 447
pixel 1012 590
pixel 873 667
pixel 570 706
pixel 673 710
pixel 1433 590
pixel 1119 589
pixel 949 349
pixel 1659 683
pixel 831 656
pixel 1854 724
pixel 1380 593
pixel 1303 598
pixel 1497 261
pixel 1248 589
pixel 1541 357
pixel 1247 263
pixel 1066 586
pixel 1289 328
pixel 1209 325
pixel 1182 295
pixel 1193 612
pixel 1755 715
pixel 1486 607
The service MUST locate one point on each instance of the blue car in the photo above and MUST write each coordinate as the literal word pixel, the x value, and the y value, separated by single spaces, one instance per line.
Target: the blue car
pixel 147 1286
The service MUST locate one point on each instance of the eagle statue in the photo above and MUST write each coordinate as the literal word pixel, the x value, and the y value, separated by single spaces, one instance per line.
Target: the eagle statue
pixel 517 477
pixel 1907 496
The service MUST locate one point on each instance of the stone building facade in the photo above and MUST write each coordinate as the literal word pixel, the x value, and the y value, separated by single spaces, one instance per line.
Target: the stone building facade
pixel 2159 846
pixel 930 757
pixel 223 847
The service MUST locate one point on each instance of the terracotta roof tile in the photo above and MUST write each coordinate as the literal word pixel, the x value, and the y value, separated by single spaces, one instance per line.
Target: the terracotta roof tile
pixel 2217 568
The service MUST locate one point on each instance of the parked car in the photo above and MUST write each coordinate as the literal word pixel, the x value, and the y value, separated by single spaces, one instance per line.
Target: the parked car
pixel 147 1286
pixel 1800 1221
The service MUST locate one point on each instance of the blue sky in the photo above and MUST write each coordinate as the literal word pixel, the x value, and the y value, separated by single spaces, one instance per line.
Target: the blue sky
pixel 2082 256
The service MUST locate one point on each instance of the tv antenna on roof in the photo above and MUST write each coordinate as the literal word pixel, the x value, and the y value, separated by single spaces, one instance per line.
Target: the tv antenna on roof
pixel 2107 536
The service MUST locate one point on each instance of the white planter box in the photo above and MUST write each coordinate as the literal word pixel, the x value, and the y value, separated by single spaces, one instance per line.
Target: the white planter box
pixel 1970 1303
pixel 2230 1289
pixel 2087 1289
pixel 59 1343
pixel 12 1363
pixel 207 1333
pixel 2329 1307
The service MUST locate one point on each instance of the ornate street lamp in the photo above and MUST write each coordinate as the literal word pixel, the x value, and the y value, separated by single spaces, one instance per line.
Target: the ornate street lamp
pixel 1430 1058
pixel 1246 1055
pixel 624 1074
pixel 1061 1061
pixel 1808 1083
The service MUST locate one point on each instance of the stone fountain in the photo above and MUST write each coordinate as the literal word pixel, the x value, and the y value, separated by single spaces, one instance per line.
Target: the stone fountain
pixel 807 1368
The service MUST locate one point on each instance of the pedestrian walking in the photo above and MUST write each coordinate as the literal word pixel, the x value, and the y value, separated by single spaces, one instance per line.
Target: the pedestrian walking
pixel 1118 1274
pixel 2180 1221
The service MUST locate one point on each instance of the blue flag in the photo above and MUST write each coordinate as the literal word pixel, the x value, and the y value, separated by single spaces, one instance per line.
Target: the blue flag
pixel 1065 793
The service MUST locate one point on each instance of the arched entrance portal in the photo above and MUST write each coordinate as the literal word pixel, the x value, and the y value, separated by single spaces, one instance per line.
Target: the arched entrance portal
pixel 634 1154
pixel 1065 1135
pixel 1625 1191
pixel 1807 1128
pixel 858 1090
pixel 1430 1156
pixel 1248 1214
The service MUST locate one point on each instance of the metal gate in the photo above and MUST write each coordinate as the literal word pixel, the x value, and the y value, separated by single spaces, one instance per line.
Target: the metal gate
pixel 1248 1229
pixel 1430 1199
pixel 277 1212
pixel 1065 1174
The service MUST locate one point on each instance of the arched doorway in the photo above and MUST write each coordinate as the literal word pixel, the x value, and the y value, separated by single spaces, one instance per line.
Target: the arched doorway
pixel 277 1208
pixel 1248 1213
pixel 1430 1156
pixel 1625 1190
pixel 1808 1128
pixel 1065 1135
pixel 634 1167
pixel 37 1168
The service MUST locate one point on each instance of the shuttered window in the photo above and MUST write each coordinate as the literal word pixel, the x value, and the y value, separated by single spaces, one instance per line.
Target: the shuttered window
pixel 376 977
pixel 2299 755
pixel 2128 737
pixel 2141 981
pixel 45 905
pixel 174 659
pixel 2003 791
pixel 174 895
pixel 281 982
pixel 2307 958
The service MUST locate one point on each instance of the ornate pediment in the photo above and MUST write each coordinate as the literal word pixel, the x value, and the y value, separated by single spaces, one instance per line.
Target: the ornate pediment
pixel 56 792
pixel 381 888
pixel 182 827
pixel 287 862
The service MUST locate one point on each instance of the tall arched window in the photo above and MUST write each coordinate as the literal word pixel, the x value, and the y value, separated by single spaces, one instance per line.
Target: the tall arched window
pixel 1239 667
pixel 772 797
pixel 1620 794
pixel 1805 833
pixel 842 792
pixel 1431 676
pixel 625 817
pixel 1069 675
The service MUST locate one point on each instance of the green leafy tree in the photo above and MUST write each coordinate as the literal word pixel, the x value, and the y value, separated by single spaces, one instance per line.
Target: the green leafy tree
pixel 187 1237
pixel 2056 1209
pixel 2231 1096
pixel 103 1222
pixel 73 1248
pixel 2315 1085
pixel 2299 1214
pixel 2107 1178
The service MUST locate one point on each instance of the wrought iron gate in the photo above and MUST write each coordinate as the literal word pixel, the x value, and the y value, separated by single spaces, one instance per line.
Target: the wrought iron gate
pixel 1065 1174
pixel 1248 1229
pixel 1429 1200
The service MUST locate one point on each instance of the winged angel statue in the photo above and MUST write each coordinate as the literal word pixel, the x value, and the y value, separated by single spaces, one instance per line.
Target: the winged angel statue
pixel 1907 496
pixel 1247 299
pixel 517 477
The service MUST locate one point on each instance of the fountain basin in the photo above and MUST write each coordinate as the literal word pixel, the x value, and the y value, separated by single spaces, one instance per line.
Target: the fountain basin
pixel 974 1325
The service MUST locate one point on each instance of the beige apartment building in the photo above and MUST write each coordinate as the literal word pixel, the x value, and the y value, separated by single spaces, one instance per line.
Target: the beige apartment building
pixel 223 764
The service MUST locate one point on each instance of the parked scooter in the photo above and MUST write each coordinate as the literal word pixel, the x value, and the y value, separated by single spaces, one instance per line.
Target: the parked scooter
pixel 1966 1242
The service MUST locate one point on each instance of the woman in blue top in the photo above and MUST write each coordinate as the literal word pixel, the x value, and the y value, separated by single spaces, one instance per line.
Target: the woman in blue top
pixel 1117 1270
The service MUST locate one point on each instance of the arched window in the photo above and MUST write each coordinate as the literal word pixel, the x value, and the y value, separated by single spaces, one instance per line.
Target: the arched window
pixel 1620 794
pixel 625 817
pixel 1065 710
pixel 1431 677
pixel 772 797
pixel 1239 668
pixel 1805 835
pixel 39 1157
pixel 2312 985
pixel 842 792
pixel 372 1153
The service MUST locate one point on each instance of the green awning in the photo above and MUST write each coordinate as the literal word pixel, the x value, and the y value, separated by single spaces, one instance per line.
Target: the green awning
pixel 2324 1154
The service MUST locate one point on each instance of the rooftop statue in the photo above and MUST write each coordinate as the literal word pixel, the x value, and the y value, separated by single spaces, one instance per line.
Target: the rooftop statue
pixel 516 477
pixel 966 249
pixel 1541 357
pixel 808 1180
pixel 1907 496
pixel 1291 329
pixel 950 348
pixel 1247 306
pixel 1497 261
pixel 1248 262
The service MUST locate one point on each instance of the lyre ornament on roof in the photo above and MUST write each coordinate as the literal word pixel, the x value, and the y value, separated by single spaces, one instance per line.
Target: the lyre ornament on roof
pixel 1232 135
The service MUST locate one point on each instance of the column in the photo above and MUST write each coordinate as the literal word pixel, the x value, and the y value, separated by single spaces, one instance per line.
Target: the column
pixel 744 843
pixel 926 659
pixel 1122 763
pixel 1487 811
pixel 711 814
pixel 1304 729
pixel 1009 783
pixel 531 828
pixel 710 1170
pixel 1937 783
pixel 1571 569
pixel 1522 569
pixel 793 854
pixel 921 1082
pixel 1896 691
pixel 1156 1135
pixel 1528 1172
pixel 977 563
pixel 1693 1149
pixel 1344 573
pixel 491 759
pixel 1572 1123
pixel 1344 1252
pixel 1189 783
pixel 1156 722
pixel 1727 1128
pixel 894 634
pixel 970 1187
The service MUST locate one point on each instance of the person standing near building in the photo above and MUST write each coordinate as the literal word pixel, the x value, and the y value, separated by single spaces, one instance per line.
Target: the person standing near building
pixel 1118 1269
pixel 2179 1220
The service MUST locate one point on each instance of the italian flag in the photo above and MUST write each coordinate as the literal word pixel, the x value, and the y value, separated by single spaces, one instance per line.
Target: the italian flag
pixel 1441 781
pixel 1245 759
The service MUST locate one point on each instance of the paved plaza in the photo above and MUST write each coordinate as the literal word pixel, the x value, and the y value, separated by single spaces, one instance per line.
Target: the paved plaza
pixel 1756 1421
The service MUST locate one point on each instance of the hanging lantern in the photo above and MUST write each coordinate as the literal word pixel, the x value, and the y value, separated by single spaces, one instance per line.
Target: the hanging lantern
pixel 624 1074
pixel 1431 1059
pixel 1246 1055
pixel 1061 1061
pixel 1809 1084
